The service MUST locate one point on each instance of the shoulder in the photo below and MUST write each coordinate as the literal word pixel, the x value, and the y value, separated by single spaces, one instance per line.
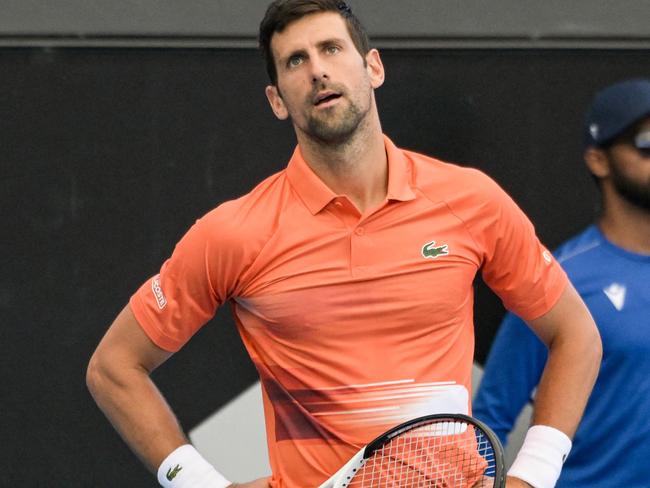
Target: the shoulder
pixel 579 247
pixel 470 194
pixel 451 182
pixel 233 234
pixel 229 238
pixel 253 213
pixel 430 169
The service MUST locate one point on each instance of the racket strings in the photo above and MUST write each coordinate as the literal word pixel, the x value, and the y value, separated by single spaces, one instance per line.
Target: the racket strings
pixel 434 455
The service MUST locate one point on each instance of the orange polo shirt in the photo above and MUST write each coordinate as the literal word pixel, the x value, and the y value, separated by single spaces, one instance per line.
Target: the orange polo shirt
pixel 354 321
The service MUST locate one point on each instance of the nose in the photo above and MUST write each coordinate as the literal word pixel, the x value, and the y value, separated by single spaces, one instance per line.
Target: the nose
pixel 319 71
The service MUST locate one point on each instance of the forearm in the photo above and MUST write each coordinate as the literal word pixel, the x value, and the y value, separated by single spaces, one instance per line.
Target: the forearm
pixel 119 380
pixel 561 398
pixel 573 362
pixel 137 410
pixel 567 381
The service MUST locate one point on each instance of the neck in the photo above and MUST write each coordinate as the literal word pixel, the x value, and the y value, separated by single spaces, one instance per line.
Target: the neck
pixel 356 168
pixel 625 224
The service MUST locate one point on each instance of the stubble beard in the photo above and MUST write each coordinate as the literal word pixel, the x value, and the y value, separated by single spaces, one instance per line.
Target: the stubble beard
pixel 638 194
pixel 331 128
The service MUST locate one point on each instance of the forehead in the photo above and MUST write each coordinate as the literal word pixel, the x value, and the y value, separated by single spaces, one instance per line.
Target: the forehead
pixel 309 30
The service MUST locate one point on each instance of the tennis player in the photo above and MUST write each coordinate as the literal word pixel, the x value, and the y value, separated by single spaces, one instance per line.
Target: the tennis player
pixel 350 279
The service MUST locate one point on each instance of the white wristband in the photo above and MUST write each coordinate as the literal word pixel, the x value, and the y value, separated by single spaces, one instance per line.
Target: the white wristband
pixel 186 468
pixel 541 456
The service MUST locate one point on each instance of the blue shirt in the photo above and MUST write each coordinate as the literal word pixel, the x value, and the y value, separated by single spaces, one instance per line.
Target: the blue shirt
pixel 611 447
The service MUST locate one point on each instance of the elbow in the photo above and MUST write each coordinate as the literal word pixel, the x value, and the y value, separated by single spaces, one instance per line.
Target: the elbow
pixel 581 346
pixel 597 347
pixel 592 350
pixel 595 342
pixel 98 377
pixel 93 375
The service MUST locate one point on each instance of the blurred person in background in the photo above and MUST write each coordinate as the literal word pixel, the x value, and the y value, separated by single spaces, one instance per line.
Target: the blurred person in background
pixel 609 265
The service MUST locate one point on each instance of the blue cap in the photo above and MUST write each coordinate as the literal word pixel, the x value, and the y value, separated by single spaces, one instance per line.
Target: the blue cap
pixel 615 109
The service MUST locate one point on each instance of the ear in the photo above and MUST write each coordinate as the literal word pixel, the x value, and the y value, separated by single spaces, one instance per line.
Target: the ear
pixel 375 68
pixel 276 102
pixel 597 161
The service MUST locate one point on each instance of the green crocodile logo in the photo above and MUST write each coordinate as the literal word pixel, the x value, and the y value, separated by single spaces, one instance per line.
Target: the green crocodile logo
pixel 171 473
pixel 430 250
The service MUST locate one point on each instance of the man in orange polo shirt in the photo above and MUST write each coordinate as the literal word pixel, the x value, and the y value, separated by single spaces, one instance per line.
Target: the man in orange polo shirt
pixel 350 279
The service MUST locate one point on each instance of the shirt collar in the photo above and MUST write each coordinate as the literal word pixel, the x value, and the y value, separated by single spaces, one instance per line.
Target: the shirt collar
pixel 317 194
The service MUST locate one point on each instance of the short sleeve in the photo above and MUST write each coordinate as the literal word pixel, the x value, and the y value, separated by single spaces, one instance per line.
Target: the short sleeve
pixel 197 278
pixel 516 265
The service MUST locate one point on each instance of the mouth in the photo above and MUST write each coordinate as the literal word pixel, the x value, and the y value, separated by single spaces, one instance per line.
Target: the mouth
pixel 325 97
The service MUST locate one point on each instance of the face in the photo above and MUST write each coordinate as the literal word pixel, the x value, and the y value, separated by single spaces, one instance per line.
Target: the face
pixel 630 168
pixel 324 84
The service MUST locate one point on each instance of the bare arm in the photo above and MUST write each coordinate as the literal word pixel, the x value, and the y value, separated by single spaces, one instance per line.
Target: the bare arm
pixel 573 362
pixel 118 379
pixel 575 352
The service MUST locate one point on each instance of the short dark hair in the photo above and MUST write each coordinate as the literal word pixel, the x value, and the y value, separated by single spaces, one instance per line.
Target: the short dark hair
pixel 281 13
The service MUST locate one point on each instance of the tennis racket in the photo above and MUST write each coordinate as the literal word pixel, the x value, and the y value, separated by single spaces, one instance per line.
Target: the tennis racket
pixel 435 451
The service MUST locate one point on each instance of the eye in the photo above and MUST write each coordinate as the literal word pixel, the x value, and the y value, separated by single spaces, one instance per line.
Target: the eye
pixel 294 61
pixel 332 49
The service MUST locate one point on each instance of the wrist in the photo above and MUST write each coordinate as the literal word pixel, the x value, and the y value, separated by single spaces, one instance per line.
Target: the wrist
pixel 186 468
pixel 541 456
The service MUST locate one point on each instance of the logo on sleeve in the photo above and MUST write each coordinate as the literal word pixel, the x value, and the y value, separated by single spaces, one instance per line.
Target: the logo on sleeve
pixel 157 292
pixel 430 250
